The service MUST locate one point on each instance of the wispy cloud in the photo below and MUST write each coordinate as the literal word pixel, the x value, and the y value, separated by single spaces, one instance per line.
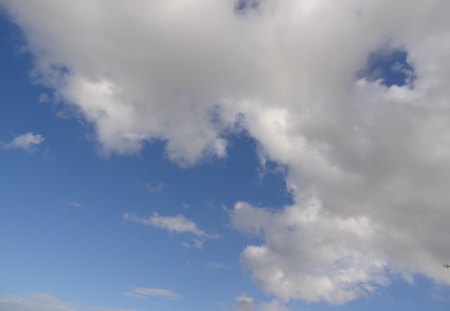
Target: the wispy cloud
pixel 42 301
pixel 177 224
pixel 144 293
pixel 26 142
pixel 217 265
pixel 195 243
pixel 72 203
pixel 174 224
pixel 158 187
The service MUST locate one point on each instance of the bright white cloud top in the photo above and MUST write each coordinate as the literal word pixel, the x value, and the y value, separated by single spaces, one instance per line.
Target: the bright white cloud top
pixel 368 164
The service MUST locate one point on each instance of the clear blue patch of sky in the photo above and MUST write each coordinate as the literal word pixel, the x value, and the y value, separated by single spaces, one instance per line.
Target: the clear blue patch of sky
pixel 390 66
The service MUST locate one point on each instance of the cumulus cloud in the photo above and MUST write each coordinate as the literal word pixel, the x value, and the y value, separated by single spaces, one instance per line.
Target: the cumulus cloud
pixel 26 142
pixel 311 255
pixel 39 302
pixel 368 164
pixel 144 293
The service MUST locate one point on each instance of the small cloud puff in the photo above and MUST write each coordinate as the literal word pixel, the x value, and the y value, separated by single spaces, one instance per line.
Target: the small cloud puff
pixel 26 142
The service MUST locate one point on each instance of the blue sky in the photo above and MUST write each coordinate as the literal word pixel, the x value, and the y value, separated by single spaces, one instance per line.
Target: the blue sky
pixel 163 170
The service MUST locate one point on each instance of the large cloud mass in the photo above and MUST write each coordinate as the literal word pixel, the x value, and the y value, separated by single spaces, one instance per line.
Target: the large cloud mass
pixel 368 164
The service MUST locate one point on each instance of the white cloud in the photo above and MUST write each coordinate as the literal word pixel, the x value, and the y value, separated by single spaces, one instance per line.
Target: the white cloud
pixel 368 165
pixel 26 142
pixel 311 255
pixel 144 293
pixel 178 223
pixel 39 302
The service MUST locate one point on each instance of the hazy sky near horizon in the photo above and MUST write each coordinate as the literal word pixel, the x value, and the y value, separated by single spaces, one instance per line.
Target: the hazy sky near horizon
pixel 249 155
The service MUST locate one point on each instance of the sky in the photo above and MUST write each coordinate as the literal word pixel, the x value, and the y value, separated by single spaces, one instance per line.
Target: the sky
pixel 249 155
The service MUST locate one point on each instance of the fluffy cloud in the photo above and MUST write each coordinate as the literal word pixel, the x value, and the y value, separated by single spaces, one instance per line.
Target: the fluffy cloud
pixel 26 142
pixel 368 165
pixel 39 302
pixel 143 293
pixel 311 255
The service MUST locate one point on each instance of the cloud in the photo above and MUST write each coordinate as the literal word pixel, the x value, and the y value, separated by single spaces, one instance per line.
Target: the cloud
pixel 177 224
pixel 310 255
pixel 144 293
pixel 195 243
pixel 155 188
pixel 217 265
pixel 72 203
pixel 26 142
pixel 245 303
pixel 35 302
pixel 39 302
pixel 368 165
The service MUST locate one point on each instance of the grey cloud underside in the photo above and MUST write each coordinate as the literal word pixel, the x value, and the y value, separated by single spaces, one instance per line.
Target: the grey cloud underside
pixel 368 165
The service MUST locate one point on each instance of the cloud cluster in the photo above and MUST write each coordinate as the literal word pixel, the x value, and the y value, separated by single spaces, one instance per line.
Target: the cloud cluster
pixel 368 165
pixel 26 142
